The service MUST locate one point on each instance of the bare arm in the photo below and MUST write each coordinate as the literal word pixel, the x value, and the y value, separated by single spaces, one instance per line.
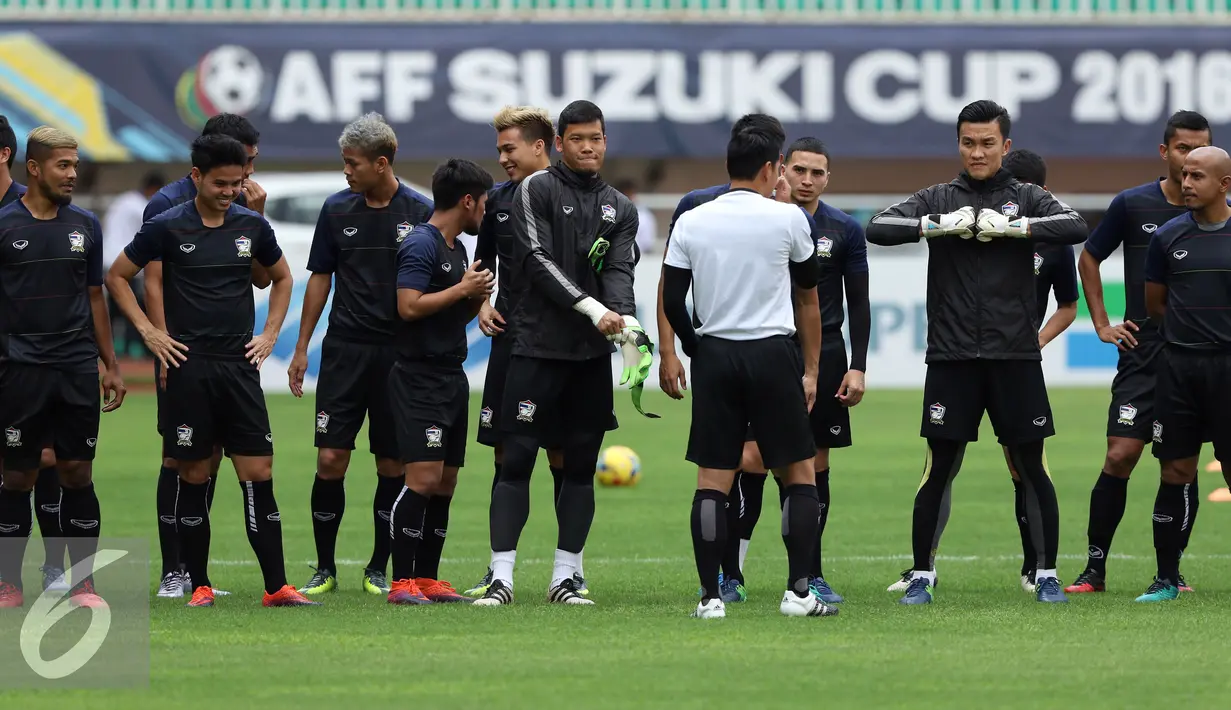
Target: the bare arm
pixel 808 325
pixel 279 296
pixel 1092 287
pixel 260 276
pixel 153 295
pixel 416 305
pixel 315 296
pixel 1064 316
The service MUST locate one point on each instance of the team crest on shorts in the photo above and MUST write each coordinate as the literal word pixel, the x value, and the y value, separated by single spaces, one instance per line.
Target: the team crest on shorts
pixel 434 435
pixel 1038 263
pixel 1128 414
pixel 608 214
pixel 91 442
pixel 1009 209
pixel 936 413
pixel 835 430
pixel 183 435
pixel 322 423
pixel 404 231
pixel 12 436
pixel 243 247
pixel 1158 432
pixel 76 241
pixel 824 247
pixel 525 410
pixel 485 417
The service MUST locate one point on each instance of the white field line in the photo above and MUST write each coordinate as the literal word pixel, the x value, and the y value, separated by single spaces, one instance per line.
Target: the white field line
pixel 610 561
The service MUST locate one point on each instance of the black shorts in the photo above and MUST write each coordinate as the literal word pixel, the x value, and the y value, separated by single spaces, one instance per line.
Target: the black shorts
pixel 742 385
pixel 1193 391
pixel 213 402
pixel 430 407
pixel 1012 392
pixel 1131 414
pixel 558 401
pixel 493 390
pixel 42 406
pixel 831 421
pixel 353 383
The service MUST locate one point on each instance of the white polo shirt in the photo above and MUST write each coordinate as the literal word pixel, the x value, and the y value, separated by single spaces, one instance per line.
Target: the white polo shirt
pixel 739 247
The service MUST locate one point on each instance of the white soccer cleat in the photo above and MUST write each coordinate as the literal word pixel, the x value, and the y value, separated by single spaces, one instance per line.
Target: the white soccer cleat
pixel 498 594
pixel 807 605
pixel 566 592
pixel 901 584
pixel 713 609
pixel 1028 585
pixel 172 586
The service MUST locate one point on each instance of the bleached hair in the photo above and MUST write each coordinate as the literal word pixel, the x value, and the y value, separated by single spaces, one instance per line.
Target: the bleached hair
pixel 370 135
pixel 535 123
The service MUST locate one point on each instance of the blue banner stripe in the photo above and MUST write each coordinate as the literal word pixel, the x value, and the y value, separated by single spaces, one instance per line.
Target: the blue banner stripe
pixel 1086 351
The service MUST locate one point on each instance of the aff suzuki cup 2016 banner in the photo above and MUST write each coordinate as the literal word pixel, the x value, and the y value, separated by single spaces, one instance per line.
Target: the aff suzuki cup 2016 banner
pixel 141 91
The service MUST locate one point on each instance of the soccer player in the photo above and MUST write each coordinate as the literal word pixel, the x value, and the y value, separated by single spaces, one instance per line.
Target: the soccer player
pixel 54 329
pixel 983 341
pixel 746 368
pixel 213 389
pixel 575 250
pixel 438 293
pixel 1188 275
pixel 174 577
pixel 356 242
pixel 1131 219
pixel 524 137
pixel 1055 271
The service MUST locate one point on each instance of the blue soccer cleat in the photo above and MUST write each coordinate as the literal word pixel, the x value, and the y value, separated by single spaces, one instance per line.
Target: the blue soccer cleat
pixel 821 589
pixel 919 591
pixel 732 591
pixel 1048 591
pixel 1162 590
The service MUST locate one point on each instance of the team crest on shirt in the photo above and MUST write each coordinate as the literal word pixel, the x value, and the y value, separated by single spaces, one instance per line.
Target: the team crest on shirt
pixel 434 435
pixel 1128 414
pixel 404 231
pixel 525 410
pixel 1009 209
pixel 1038 263
pixel 12 436
pixel 609 214
pixel 485 417
pixel 824 247
pixel 936 413
pixel 183 435
pixel 243 247
pixel 502 216
pixel 1158 432
pixel 322 423
pixel 76 241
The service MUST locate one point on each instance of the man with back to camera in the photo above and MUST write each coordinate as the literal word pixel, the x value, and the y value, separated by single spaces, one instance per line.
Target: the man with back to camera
pixel 1188 276
pixel 213 389
pixel 983 341
pixel 54 329
pixel 1131 219
pixel 747 371
pixel 524 137
pixel 575 252
pixel 438 294
pixel 356 242
pixel 1055 271
pixel 175 582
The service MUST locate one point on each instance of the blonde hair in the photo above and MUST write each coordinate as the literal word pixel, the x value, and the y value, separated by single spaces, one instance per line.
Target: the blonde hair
pixel 371 135
pixel 43 140
pixel 534 123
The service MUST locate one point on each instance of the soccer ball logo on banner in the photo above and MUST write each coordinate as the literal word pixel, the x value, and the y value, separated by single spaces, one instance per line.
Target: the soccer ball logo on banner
pixel 228 79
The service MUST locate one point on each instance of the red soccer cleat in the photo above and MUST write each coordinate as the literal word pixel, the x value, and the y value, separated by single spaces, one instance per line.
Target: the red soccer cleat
pixel 440 591
pixel 287 596
pixel 202 596
pixel 1087 582
pixel 407 592
pixel 10 596
pixel 83 596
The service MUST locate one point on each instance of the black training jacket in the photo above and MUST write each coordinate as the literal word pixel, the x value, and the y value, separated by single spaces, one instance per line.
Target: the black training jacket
pixel 981 295
pixel 558 215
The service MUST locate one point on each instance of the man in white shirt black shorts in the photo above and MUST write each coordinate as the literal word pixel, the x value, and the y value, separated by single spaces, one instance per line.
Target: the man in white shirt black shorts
pixel 746 368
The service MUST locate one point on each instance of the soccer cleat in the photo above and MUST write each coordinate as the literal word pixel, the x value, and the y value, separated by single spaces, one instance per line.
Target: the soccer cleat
pixel 188 586
pixel 407 593
pixel 732 591
pixel 823 591
pixel 202 596
pixel 10 596
pixel 712 609
pixel 917 592
pixel 582 589
pixel 566 593
pixel 701 590
pixel 904 582
pixel 172 586
pixel 1049 592
pixel 1028 583
pixel 498 594
pixel 481 588
pixel 53 579
pixel 287 596
pixel 440 592
pixel 375 582
pixel 322 581
pixel 83 596
pixel 1184 585
pixel 1087 582
pixel 1162 590
pixel 807 605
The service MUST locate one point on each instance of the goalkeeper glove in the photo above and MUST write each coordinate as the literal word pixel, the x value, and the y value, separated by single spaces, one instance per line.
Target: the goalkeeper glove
pixel 994 224
pixel 638 354
pixel 959 224
pixel 598 250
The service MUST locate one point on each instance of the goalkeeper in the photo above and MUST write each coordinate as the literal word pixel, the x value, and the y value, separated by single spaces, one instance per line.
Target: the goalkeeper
pixel 574 253
pixel 740 254
pixel 983 343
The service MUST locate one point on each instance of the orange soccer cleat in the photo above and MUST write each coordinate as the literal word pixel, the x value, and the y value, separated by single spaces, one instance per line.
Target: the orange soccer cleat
pixel 287 596
pixel 202 596
pixel 10 596
pixel 440 591
pixel 406 591
pixel 83 596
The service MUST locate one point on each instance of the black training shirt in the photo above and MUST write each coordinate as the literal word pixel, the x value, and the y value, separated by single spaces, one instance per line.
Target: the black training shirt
pixel 427 264
pixel 842 251
pixel 11 195
pixel 1055 269
pixel 207 275
pixel 495 243
pixel 1194 262
pixel 358 244
pixel 47 268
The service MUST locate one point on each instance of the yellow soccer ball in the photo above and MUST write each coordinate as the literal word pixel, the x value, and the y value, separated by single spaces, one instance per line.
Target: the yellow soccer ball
pixel 618 466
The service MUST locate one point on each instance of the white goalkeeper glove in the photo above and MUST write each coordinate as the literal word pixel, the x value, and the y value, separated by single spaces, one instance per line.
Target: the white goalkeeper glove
pixel 994 224
pixel 638 354
pixel 958 224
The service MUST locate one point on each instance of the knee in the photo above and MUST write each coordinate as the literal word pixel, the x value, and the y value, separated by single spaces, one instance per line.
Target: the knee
pixel 448 482
pixel 1122 457
pixel 75 474
pixel 48 458
pixel 215 462
pixel 519 455
pixel 751 459
pixel 194 472
pixel 19 481
pixel 331 464
pixel 1179 473
pixel 799 473
pixel 555 458
pixel 385 468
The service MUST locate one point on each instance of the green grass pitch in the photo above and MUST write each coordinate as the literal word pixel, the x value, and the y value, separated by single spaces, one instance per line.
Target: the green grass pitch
pixel 984 642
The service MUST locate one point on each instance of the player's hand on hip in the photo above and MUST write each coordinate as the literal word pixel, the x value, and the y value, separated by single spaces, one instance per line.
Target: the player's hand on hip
pixel 296 372
pixel 254 195
pixel 810 390
pixel 490 320
pixel 259 348
pixel 113 389
pixel 958 224
pixel 169 351
pixel 850 392
pixel 671 376
pixel 1119 335
pixel 476 282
